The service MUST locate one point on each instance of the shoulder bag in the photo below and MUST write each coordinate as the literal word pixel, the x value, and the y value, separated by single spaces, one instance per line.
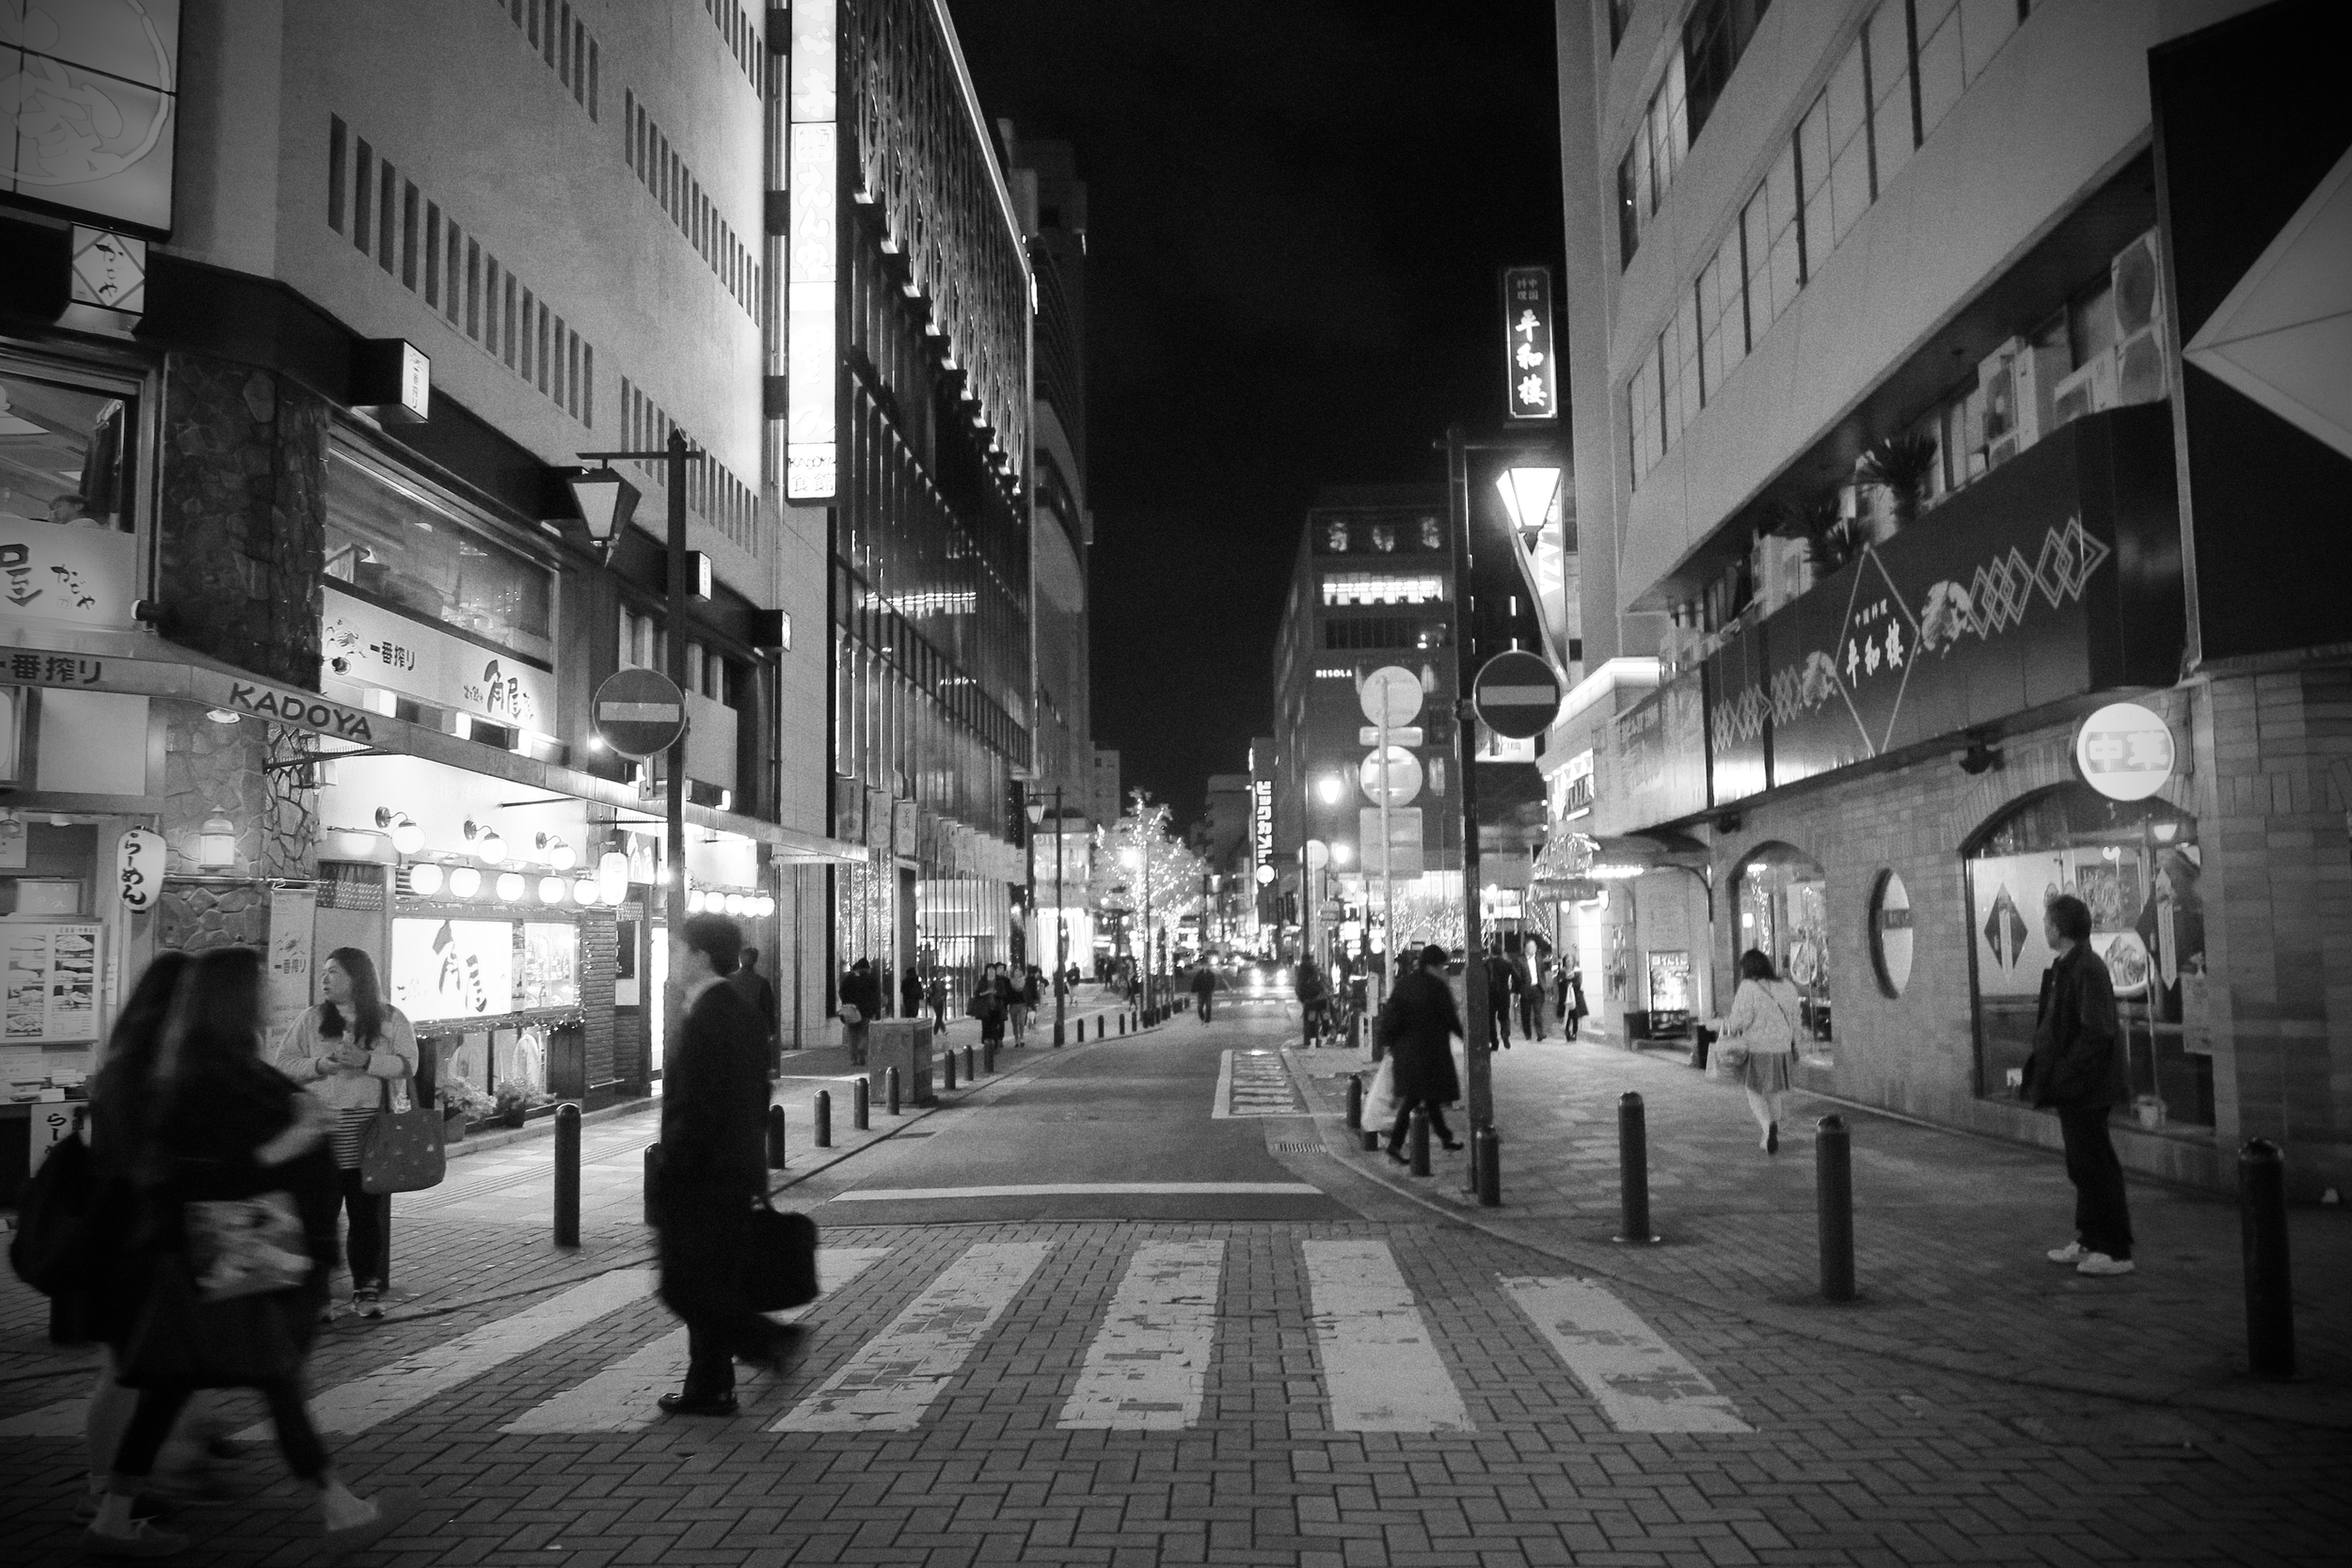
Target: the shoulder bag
pixel 850 1014
pixel 51 1216
pixel 399 1151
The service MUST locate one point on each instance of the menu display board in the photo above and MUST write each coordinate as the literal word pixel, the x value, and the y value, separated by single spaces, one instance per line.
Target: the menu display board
pixel 444 969
pixel 50 980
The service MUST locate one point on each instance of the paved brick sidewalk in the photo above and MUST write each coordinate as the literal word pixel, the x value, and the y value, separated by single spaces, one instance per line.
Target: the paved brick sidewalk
pixel 1949 1232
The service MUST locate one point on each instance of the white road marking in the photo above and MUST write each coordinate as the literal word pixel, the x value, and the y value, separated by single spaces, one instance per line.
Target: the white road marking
pixel 1378 1365
pixel 1147 1365
pixel 1083 1189
pixel 378 1396
pixel 620 1398
pixel 896 1375
pixel 1641 1383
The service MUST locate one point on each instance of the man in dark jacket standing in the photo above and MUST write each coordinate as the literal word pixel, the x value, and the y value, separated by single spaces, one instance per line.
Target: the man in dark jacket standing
pixel 761 997
pixel 714 1111
pixel 2078 1069
pixel 1501 983
pixel 1418 1023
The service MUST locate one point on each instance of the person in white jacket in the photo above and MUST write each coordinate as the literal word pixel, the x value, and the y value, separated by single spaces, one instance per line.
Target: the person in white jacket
pixel 1760 1041
pixel 345 1051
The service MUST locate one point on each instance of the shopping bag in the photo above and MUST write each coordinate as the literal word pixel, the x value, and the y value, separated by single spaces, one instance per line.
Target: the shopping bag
pixel 1380 1100
pixel 245 1246
pixel 850 1014
pixel 399 1151
pixel 780 1261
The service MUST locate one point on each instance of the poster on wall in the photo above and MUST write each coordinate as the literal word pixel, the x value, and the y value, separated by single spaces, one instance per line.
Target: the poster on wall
pixel 2006 893
pixel 1669 988
pixel 444 969
pixel 291 909
pixel 51 984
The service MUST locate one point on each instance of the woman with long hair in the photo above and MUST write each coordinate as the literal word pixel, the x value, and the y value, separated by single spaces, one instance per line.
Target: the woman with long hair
pixel 220 1125
pixel 347 1052
pixel 1760 1041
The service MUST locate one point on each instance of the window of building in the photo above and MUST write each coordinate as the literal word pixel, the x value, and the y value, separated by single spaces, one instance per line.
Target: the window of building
pixel 1620 12
pixel 1782 899
pixel 1714 36
pixel 1383 631
pixel 66 453
pixel 2138 866
pixel 1353 588
pixel 1648 166
pixel 1894 124
pixel 410 551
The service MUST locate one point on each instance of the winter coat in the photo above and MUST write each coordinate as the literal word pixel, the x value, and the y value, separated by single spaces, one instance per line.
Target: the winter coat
pixel 2077 1058
pixel 1764 1016
pixel 1418 1023
pixel 306 1056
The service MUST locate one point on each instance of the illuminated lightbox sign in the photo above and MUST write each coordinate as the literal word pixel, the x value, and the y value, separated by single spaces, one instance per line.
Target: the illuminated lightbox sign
pixel 1531 378
pixel 89 89
pixel 812 452
pixel 453 968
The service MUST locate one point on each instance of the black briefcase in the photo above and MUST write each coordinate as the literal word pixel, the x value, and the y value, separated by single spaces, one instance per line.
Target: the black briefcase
pixel 780 1262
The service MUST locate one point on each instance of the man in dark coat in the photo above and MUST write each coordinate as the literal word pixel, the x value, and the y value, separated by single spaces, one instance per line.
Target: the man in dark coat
pixel 1419 1023
pixel 761 997
pixel 1501 983
pixel 713 1164
pixel 2078 1069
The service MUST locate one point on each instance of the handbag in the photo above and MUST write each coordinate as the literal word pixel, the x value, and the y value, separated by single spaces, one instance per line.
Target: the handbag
pixel 245 1246
pixel 779 1259
pixel 52 1220
pixel 399 1151
pixel 850 1014
pixel 1380 1101
pixel 183 1339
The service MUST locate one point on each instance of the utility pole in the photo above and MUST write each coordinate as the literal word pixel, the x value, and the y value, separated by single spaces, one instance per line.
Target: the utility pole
pixel 1478 1090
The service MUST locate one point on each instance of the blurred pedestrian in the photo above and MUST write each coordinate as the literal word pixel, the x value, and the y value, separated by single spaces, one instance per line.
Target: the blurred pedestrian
pixel 1203 989
pixel 713 1168
pixel 1499 987
pixel 860 1004
pixel 1314 1000
pixel 910 993
pixel 760 996
pixel 1760 1041
pixel 2078 1069
pixel 1527 980
pixel 348 1050
pixel 222 1127
pixel 935 997
pixel 1419 1023
pixel 1026 992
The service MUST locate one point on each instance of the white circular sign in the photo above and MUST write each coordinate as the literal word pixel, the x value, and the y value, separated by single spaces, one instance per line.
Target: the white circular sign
pixel 1264 875
pixel 1318 854
pixel 1890 933
pixel 2124 752
pixel 1390 695
pixel 1399 780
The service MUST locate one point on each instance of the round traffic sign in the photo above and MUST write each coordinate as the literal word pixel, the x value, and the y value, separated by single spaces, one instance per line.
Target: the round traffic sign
pixel 640 713
pixel 1400 779
pixel 1318 854
pixel 2125 751
pixel 1390 695
pixel 1517 694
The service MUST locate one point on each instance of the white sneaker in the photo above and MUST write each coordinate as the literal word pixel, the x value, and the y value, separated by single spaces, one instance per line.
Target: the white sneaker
pixel 2100 1264
pixel 2071 1253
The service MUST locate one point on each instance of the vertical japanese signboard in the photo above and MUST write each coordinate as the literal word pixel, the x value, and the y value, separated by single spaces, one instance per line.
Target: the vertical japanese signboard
pixel 1530 381
pixel 811 432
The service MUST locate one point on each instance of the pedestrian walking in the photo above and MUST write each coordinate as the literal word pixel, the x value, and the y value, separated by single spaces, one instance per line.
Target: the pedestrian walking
pixel 988 1005
pixel 1314 1000
pixel 713 1169
pixel 1500 982
pixel 222 1134
pixel 761 997
pixel 2078 1069
pixel 1203 989
pixel 1760 1041
pixel 861 1002
pixel 910 993
pixel 348 1050
pixel 1417 1024
pixel 1028 992
pixel 935 998
pixel 1528 983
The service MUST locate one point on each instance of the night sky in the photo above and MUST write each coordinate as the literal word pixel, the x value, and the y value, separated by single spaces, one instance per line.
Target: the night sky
pixel 1297 210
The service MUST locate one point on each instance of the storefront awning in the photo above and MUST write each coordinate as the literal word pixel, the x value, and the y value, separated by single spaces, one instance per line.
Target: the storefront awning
pixel 142 665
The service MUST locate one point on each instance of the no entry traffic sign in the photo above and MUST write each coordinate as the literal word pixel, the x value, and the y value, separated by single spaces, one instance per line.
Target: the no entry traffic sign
pixel 1517 694
pixel 640 713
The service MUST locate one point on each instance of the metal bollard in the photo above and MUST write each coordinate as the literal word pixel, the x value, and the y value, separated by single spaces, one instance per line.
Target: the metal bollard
pixel 1633 1171
pixel 861 1104
pixel 1372 1139
pixel 776 1137
pixel 1123 1024
pixel 567 1175
pixel 1486 1164
pixel 1833 1184
pixel 1355 1100
pixel 1057 1031
pixel 891 1079
pixel 824 1119
pixel 1418 1140
pixel 653 1164
pixel 950 1058
pixel 2261 1207
pixel 970 1065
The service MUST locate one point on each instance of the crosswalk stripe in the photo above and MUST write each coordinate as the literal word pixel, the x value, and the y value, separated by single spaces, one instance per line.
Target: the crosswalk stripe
pixel 1148 1362
pixel 1085 1189
pixel 1379 1366
pixel 1641 1383
pixel 896 1376
pixel 620 1398
pixel 365 1401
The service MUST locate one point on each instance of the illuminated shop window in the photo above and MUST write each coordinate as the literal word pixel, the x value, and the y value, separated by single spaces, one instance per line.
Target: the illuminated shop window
pixel 1353 587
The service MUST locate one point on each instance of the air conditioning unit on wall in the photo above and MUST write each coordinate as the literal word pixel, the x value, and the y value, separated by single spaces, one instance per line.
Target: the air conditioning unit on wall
pixel 2142 365
pixel 2016 381
pixel 2086 391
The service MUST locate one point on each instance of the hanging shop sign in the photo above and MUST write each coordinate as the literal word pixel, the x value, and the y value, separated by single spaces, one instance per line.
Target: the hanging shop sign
pixel 372 646
pixel 139 868
pixel 1530 379
pixel 2124 752
pixel 81 576
pixel 812 275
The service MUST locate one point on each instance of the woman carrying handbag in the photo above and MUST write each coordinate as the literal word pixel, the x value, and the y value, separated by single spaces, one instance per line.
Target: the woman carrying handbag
pixel 1760 1041
pixel 349 1051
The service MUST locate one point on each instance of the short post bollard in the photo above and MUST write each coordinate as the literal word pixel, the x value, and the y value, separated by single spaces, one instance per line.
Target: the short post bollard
pixel 1123 1024
pixel 1633 1171
pixel 1058 1029
pixel 971 1068
pixel 1486 1162
pixel 861 1104
pixel 948 1058
pixel 1418 1140
pixel 2262 1206
pixel 567 1175
pixel 776 1137
pixel 1355 1100
pixel 653 1164
pixel 891 1080
pixel 1833 1184
pixel 824 1119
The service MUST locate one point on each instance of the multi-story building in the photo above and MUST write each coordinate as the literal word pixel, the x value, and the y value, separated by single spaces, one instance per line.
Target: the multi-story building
pixel 304 329
pixel 1909 441
pixel 1105 799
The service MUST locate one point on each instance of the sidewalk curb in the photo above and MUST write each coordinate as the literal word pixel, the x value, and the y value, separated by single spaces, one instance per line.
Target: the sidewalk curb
pixel 541 1127
pixel 1337 1142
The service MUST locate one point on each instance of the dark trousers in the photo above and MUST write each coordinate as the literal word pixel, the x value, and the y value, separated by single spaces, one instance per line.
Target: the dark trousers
pixel 1405 1121
pixel 1499 1016
pixel 2102 1216
pixel 1531 1013
pixel 1204 1006
pixel 158 1408
pixel 369 1248
pixel 702 1241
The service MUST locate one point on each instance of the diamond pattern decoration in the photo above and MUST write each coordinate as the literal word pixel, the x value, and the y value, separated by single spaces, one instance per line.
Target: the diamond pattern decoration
pixel 1742 718
pixel 2000 590
pixel 2068 560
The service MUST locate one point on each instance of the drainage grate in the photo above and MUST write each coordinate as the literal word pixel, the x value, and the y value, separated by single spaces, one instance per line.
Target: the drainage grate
pixel 1297 1149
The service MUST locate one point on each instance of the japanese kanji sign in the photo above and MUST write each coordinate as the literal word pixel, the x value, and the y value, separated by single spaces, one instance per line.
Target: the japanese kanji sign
pixel 2125 751
pixel 1531 382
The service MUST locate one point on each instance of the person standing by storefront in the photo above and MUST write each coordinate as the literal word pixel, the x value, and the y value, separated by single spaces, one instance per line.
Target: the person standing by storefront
pixel 349 1051
pixel 761 996
pixel 2077 1069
